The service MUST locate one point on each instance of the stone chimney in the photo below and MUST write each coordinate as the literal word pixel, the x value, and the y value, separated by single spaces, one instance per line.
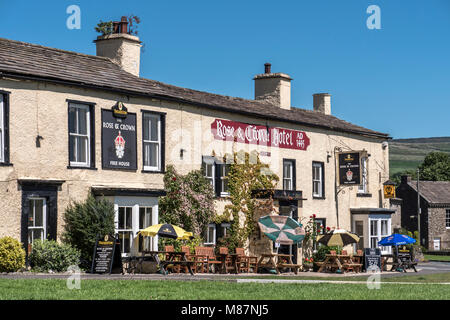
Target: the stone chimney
pixel 405 179
pixel 322 103
pixel 274 88
pixel 121 47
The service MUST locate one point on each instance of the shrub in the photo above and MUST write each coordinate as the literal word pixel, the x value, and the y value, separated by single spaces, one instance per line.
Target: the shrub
pixel 84 221
pixel 49 255
pixel 12 255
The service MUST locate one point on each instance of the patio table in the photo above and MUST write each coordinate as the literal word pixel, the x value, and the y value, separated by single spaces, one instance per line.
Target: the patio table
pixel 172 257
pixel 234 266
pixel 267 260
pixel 339 261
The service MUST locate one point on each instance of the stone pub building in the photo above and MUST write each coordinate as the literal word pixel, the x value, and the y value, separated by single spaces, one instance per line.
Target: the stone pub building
pixel 73 124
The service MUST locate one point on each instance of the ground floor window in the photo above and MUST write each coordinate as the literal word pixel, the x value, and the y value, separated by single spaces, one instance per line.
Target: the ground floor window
pixel 134 214
pixel 125 229
pixel 211 234
pixel 145 220
pixel 379 228
pixel 37 219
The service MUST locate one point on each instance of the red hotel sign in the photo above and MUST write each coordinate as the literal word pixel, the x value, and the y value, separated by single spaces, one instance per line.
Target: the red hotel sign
pixel 252 134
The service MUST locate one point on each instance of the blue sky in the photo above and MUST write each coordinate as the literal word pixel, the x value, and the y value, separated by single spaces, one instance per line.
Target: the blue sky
pixel 394 80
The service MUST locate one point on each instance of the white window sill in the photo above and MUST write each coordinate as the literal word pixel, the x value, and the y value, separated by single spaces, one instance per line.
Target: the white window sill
pixel 224 194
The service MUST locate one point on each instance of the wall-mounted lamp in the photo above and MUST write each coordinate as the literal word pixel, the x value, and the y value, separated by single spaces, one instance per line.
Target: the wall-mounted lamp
pixel 182 151
pixel 38 141
pixel 328 156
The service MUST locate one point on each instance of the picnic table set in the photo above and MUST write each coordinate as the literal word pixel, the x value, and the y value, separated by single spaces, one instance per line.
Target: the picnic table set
pixel 278 228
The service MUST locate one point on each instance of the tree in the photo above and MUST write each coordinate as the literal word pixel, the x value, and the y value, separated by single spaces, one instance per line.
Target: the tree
pixel 189 202
pixel 435 167
pixel 84 221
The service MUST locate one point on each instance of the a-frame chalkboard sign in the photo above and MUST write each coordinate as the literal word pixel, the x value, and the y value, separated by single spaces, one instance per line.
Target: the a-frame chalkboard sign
pixel 107 255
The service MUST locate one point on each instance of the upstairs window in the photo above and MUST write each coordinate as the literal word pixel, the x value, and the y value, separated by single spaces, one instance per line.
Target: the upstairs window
pixel 447 218
pixel 363 187
pixel 288 174
pixel 318 180
pixel 216 172
pixel 2 130
pixel 152 141
pixel 4 127
pixel 80 136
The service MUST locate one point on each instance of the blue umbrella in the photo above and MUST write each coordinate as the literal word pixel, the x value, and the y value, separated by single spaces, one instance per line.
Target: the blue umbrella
pixel 396 240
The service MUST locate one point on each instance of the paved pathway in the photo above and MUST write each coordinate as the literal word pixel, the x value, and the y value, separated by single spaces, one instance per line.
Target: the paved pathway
pixel 423 268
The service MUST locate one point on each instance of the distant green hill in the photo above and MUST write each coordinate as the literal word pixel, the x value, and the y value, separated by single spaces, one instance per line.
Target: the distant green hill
pixel 408 154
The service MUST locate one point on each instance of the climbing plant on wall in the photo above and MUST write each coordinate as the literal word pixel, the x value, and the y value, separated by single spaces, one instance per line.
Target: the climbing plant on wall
pixel 247 175
pixel 189 202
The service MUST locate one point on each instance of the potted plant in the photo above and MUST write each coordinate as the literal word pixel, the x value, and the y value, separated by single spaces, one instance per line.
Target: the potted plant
pixel 308 264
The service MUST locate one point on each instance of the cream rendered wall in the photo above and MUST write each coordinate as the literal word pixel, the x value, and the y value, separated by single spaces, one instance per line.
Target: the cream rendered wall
pixel 39 108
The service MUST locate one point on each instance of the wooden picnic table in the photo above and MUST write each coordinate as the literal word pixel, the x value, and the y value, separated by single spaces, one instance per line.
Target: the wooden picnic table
pixel 267 260
pixel 172 257
pixel 339 262
pixel 224 268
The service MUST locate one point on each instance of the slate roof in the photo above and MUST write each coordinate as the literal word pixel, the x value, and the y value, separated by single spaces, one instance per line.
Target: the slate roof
pixel 435 192
pixel 30 61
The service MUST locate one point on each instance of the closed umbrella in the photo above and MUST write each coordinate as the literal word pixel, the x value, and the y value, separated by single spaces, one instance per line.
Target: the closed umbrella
pixel 282 229
pixel 166 231
pixel 338 237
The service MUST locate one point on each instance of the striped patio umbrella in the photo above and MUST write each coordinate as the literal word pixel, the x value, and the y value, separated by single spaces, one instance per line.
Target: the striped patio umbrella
pixel 338 237
pixel 166 231
pixel 282 229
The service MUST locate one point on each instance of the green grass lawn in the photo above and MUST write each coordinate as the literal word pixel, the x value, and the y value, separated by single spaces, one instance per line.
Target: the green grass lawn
pixel 215 290
pixel 436 258
pixel 408 277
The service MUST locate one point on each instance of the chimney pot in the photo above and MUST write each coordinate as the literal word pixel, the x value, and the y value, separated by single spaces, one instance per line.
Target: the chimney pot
pixel 123 25
pixel 267 67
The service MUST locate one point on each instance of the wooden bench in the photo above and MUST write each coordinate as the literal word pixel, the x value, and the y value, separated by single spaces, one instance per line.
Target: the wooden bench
pixel 355 267
pixel 291 266
pixel 205 256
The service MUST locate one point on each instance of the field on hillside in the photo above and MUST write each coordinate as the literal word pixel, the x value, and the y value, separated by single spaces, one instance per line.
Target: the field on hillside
pixel 408 154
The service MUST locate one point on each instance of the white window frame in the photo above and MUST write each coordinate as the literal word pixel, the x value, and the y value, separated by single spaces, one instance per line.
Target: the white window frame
pixel 135 202
pixel 363 187
pixel 44 218
pixel 319 181
pixel 222 178
pixel 208 241
pixel 211 178
pixel 88 135
pixel 291 179
pixel 2 129
pixel 379 236
pixel 119 231
pixel 447 218
pixel 151 245
pixel 147 115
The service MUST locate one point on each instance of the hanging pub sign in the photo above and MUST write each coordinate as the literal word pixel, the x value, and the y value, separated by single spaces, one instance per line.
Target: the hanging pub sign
pixel 389 189
pixel 349 168
pixel 119 140
pixel 226 130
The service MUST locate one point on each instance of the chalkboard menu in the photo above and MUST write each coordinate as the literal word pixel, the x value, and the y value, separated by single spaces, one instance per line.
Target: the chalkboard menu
pixel 372 258
pixel 104 254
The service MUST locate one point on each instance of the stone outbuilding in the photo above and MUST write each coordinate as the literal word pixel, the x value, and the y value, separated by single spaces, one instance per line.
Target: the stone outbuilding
pixel 435 211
